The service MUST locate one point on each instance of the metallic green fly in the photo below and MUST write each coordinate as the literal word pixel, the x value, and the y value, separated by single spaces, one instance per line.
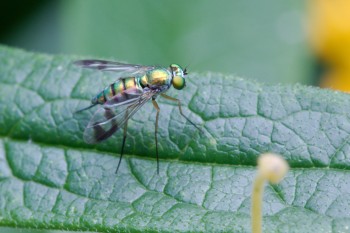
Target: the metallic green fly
pixel 123 98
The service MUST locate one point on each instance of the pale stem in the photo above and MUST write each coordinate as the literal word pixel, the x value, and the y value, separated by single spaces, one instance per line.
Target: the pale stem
pixel 271 168
pixel 257 196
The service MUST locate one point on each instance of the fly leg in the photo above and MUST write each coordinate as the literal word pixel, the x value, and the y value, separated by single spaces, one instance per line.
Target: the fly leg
pixel 123 144
pixel 155 104
pixel 179 104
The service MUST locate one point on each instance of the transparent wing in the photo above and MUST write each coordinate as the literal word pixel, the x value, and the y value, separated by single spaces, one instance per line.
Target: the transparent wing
pixel 126 97
pixel 108 119
pixel 127 69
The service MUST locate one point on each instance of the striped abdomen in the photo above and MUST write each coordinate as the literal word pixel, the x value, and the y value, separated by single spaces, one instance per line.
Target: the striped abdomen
pixel 119 91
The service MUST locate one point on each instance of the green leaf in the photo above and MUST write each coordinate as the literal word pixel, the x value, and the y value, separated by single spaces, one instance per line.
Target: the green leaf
pixel 49 178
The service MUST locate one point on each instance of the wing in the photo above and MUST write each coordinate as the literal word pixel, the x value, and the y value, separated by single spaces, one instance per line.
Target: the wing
pixel 107 120
pixel 125 97
pixel 127 69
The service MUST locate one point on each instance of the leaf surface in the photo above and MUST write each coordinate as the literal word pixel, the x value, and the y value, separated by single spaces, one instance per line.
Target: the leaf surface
pixel 49 178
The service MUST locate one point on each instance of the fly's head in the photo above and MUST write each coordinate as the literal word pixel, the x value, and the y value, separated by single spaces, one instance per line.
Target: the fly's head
pixel 178 76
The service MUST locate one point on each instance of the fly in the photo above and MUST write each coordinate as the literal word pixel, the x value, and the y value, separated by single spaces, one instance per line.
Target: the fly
pixel 123 98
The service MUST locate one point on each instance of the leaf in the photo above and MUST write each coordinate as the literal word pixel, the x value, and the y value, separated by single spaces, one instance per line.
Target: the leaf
pixel 49 178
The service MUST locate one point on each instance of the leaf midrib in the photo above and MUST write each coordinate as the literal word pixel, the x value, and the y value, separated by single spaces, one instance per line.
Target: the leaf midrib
pixel 95 149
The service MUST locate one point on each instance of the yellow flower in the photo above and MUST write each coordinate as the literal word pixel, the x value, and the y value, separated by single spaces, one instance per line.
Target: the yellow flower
pixel 329 28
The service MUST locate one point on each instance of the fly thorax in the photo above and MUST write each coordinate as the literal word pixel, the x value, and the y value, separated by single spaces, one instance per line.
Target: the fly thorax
pixel 159 77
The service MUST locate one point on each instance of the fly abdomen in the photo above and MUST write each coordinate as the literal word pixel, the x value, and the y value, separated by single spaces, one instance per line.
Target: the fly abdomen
pixel 121 90
pixel 100 98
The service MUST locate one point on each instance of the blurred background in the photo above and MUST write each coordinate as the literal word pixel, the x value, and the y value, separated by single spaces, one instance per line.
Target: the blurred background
pixel 262 40
pixel 272 41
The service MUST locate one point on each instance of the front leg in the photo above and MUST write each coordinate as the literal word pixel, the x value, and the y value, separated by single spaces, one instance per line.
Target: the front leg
pixel 179 104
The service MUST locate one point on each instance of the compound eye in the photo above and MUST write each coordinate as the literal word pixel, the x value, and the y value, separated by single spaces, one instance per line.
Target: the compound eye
pixel 179 82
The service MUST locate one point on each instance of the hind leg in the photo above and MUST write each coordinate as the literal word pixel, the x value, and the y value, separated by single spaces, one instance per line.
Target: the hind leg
pixel 124 139
pixel 155 104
